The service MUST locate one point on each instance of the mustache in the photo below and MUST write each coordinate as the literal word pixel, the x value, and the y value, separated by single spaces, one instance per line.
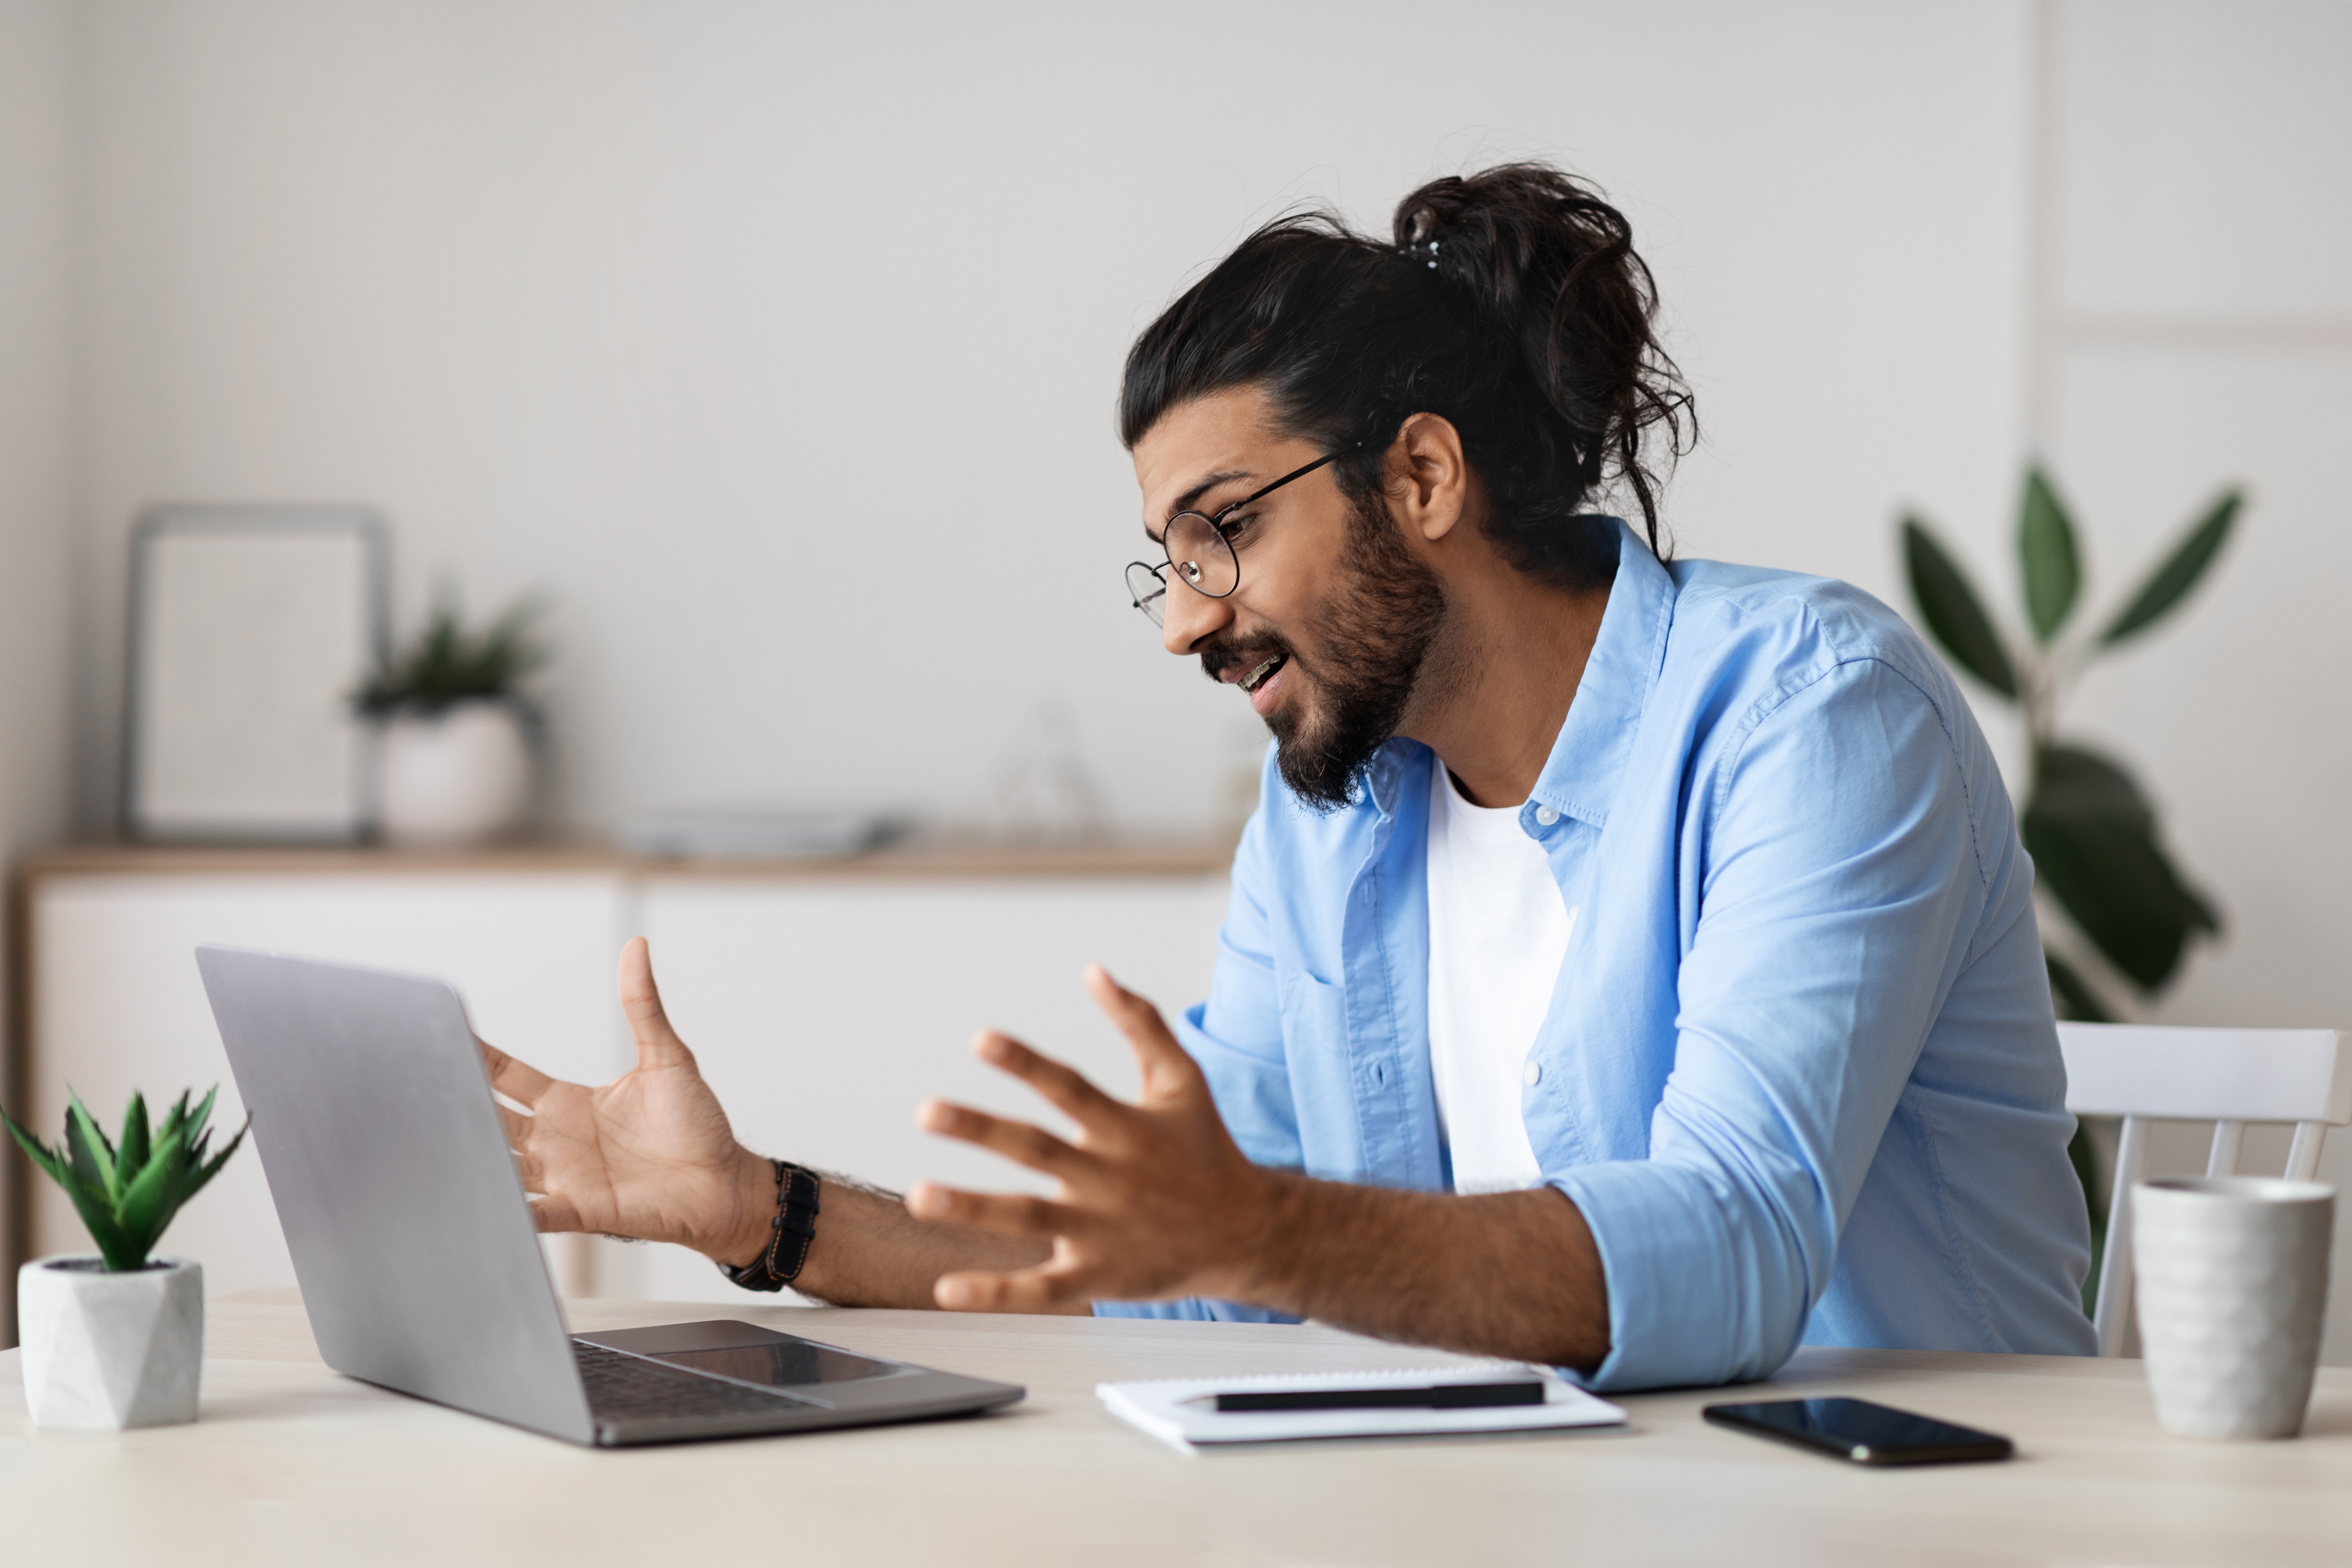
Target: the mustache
pixel 1225 652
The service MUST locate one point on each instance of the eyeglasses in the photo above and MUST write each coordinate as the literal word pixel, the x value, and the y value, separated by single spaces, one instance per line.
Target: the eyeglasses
pixel 1200 552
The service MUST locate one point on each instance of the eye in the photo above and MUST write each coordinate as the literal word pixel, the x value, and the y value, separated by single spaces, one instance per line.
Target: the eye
pixel 1233 528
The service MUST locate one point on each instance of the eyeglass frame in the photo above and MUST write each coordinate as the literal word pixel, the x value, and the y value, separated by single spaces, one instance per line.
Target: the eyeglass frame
pixel 1215 525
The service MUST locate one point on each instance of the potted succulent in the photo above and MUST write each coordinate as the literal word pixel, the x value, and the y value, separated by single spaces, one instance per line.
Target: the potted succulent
pixel 117 1339
pixel 456 753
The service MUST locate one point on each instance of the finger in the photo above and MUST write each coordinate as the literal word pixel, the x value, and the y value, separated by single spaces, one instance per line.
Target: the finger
pixel 554 1215
pixel 1007 1214
pixel 1064 1085
pixel 1016 1141
pixel 1024 1290
pixel 658 1044
pixel 1165 1064
pixel 516 1127
pixel 519 1081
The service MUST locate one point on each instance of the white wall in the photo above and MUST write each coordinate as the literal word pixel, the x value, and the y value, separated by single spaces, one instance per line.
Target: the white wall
pixel 777 342
pixel 36 460
pixel 2198 329
pixel 36 238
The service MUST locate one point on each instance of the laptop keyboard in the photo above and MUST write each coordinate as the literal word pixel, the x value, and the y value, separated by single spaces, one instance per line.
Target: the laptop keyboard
pixel 627 1387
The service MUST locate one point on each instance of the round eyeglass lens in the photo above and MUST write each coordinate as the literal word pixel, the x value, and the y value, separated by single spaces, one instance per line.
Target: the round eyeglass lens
pixel 1151 595
pixel 1201 555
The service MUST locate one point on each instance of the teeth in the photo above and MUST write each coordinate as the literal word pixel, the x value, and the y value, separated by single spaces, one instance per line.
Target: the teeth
pixel 1251 681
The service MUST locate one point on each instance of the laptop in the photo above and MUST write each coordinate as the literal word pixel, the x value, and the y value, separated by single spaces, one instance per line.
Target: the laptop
pixel 415 1248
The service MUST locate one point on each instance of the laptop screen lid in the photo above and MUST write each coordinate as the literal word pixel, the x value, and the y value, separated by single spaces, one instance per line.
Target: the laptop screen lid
pixel 411 1236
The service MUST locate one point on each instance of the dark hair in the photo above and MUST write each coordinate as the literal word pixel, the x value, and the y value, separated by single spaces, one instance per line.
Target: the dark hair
pixel 1511 304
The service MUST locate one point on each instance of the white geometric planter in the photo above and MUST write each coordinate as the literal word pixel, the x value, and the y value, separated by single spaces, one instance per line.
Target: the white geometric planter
pixel 460 777
pixel 103 1351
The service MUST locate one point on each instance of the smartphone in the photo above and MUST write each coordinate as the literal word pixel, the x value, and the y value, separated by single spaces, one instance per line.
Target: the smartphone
pixel 1864 1433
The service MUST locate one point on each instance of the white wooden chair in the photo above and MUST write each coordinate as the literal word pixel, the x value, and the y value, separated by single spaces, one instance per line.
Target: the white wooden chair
pixel 2146 1073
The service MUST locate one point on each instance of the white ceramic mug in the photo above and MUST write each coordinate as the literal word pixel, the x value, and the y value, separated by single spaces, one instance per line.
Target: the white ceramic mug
pixel 2231 1275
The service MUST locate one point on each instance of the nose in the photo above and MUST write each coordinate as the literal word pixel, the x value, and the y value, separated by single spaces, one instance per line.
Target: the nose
pixel 1190 616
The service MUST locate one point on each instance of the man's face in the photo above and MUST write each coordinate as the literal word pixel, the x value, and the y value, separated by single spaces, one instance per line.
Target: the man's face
pixel 1332 621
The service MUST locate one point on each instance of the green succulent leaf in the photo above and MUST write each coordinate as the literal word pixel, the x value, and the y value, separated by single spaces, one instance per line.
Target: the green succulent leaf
pixel 2075 1001
pixel 128 1199
pixel 1955 616
pixel 2045 548
pixel 2094 845
pixel 136 1140
pixel 86 1146
pixel 149 1203
pixel 2170 583
pixel 96 1206
pixel 52 1162
pixel 206 1170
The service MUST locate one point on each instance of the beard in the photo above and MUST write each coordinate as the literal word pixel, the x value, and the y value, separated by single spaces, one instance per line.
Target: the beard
pixel 1374 637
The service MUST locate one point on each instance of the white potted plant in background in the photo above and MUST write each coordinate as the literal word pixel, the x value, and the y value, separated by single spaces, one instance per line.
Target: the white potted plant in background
pixel 117 1339
pixel 456 745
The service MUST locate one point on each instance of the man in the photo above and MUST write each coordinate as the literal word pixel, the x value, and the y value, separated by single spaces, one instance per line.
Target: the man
pixel 1631 967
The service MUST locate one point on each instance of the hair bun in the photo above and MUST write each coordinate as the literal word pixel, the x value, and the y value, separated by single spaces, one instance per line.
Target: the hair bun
pixel 1538 343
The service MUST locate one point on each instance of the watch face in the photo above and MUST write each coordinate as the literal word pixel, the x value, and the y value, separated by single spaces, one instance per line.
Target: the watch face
pixel 752 1276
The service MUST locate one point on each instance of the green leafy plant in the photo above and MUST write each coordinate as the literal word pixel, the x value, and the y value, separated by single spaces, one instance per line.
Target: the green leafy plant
pixel 2092 832
pixel 449 664
pixel 128 1193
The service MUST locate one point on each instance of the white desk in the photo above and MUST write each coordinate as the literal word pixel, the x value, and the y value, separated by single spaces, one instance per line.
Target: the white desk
pixel 292 1464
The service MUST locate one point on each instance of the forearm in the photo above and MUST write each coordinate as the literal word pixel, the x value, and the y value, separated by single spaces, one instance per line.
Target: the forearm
pixel 869 1251
pixel 1505 1274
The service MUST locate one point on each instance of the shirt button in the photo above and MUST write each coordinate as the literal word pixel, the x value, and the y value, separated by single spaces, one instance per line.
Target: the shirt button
pixel 1546 815
pixel 1532 1074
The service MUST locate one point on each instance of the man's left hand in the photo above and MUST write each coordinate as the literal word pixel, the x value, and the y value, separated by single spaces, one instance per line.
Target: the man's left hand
pixel 1156 1198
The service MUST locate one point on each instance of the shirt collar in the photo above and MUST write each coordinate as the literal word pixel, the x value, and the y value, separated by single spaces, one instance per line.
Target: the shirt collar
pixel 1580 779
pixel 1392 771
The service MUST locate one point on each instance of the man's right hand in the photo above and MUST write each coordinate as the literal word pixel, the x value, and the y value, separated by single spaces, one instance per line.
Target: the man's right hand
pixel 649 1155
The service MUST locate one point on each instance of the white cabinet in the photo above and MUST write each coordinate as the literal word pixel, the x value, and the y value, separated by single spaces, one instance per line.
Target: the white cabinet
pixel 824 1006
pixel 117 1005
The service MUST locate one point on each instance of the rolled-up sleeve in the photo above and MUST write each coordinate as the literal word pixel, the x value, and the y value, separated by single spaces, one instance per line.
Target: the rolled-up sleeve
pixel 1838 868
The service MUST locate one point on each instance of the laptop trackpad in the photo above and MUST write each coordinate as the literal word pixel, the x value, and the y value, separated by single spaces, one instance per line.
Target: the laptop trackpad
pixel 746 1353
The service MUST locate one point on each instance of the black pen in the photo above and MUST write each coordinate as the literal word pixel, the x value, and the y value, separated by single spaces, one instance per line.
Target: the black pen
pixel 1431 1396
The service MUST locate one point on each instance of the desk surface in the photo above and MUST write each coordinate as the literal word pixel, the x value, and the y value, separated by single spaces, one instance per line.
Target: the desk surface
pixel 292 1463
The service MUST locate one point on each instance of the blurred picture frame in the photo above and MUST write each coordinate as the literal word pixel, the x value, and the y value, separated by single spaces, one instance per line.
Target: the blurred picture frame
pixel 250 628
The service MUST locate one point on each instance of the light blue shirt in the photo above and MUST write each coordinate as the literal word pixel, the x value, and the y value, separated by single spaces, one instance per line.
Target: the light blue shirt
pixel 1798 1072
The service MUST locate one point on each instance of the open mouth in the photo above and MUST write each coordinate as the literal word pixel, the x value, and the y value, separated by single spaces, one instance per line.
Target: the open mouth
pixel 1263 673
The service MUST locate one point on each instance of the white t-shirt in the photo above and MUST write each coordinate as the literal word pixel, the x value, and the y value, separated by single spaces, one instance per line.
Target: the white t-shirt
pixel 1497 935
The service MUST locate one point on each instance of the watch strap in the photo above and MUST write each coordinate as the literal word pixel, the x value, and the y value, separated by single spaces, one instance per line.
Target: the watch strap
pixel 790 1234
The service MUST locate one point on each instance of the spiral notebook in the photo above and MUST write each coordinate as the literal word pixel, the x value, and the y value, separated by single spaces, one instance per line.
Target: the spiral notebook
pixel 1182 1412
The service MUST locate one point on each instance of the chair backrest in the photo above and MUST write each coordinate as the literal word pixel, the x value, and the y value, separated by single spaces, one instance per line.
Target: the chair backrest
pixel 2144 1073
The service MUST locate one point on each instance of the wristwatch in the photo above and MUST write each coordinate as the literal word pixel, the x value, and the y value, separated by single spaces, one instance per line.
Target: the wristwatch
pixel 789 1234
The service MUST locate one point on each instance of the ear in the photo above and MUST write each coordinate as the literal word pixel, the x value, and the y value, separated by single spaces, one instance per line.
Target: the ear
pixel 1429 479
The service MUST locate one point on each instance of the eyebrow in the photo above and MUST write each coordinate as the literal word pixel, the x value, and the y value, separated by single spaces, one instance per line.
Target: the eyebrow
pixel 1184 502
